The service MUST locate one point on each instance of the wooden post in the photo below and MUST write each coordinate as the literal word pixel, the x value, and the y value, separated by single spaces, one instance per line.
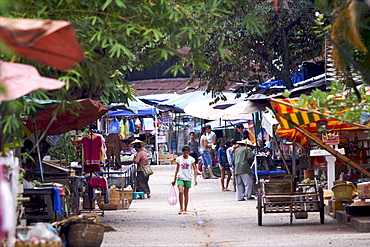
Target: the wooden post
pixel 294 161
pixel 282 155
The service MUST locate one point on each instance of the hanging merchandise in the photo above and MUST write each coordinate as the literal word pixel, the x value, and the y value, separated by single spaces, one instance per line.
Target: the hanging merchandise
pixel 148 124
pixel 114 147
pixel 93 152
pixel 127 127
pixel 122 128
pixel 131 126
pixel 137 121
pixel 114 127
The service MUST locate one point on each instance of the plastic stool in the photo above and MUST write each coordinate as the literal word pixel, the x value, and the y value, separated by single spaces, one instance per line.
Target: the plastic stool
pixel 135 194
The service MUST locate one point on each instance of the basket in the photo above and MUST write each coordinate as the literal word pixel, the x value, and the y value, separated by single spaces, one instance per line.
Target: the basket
pixel 126 198
pixel 85 234
pixel 114 203
pixel 86 202
pixel 30 244
pixel 343 192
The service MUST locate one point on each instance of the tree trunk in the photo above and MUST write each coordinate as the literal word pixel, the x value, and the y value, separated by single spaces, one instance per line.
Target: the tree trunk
pixel 286 63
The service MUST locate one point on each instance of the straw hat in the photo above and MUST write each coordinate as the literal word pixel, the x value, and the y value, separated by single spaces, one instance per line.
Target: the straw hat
pixel 137 142
pixel 246 142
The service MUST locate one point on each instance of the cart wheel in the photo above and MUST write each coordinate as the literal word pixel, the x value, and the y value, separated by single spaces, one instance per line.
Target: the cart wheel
pixel 259 206
pixel 321 206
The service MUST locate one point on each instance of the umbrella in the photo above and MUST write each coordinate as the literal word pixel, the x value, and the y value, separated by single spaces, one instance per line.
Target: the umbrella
pixel 81 115
pixel 48 42
pixel 202 108
pixel 20 79
pixel 241 110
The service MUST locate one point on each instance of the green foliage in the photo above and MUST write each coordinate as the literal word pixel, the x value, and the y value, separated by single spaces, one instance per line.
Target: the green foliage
pixel 64 149
pixel 260 42
pixel 339 103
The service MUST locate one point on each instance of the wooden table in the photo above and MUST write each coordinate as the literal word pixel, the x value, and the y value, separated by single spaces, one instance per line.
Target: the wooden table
pixel 40 207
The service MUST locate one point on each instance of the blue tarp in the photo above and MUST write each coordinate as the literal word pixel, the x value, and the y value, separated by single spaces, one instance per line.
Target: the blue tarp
pixel 296 77
pixel 265 173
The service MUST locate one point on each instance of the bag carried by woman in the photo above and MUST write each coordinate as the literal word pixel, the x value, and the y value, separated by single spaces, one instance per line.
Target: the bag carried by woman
pixel 171 197
pixel 147 170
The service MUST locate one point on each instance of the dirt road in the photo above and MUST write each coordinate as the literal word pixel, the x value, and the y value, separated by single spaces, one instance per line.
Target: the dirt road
pixel 216 218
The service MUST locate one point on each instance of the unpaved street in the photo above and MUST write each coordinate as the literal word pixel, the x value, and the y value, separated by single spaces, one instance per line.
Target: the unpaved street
pixel 216 219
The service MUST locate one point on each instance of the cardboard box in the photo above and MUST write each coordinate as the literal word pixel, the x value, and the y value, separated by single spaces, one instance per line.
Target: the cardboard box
pixel 165 156
pixel 363 190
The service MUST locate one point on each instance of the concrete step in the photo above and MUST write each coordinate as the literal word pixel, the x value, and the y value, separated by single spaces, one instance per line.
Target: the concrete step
pixel 359 223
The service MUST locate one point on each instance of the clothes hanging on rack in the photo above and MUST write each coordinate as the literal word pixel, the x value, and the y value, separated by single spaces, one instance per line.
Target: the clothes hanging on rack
pixel 122 130
pixel 127 127
pixel 131 126
pixel 98 183
pixel 114 146
pixel 93 152
pixel 114 127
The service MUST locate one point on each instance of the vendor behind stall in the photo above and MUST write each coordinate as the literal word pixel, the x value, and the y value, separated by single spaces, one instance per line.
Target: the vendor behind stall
pixel 141 159
pixel 240 133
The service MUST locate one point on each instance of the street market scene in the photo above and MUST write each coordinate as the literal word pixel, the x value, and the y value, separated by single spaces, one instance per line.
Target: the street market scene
pixel 184 123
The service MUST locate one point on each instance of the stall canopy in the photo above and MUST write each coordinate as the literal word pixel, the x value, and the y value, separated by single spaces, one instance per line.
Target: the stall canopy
pixel 158 98
pixel 179 103
pixel 242 110
pixel 223 124
pixel 204 110
pixel 289 116
pixel 132 106
pixel 48 42
pixel 55 121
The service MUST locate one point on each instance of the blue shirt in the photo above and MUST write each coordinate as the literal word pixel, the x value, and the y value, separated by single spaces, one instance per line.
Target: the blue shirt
pixel 230 156
pixel 221 155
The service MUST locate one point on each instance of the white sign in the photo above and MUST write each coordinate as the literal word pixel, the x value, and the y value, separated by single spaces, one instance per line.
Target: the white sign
pixel 162 139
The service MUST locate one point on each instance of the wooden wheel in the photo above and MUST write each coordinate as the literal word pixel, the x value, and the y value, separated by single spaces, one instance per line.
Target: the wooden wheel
pixel 321 205
pixel 259 206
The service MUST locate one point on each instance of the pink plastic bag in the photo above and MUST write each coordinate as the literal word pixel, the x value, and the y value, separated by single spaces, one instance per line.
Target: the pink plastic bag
pixel 171 197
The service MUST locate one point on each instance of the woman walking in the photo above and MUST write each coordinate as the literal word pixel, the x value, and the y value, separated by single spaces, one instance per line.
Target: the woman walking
pixel 184 174
pixel 141 159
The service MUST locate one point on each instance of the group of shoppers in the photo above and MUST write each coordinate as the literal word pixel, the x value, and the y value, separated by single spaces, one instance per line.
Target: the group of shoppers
pixel 234 158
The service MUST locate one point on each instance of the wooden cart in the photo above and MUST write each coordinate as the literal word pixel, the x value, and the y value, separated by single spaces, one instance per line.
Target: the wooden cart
pixel 293 202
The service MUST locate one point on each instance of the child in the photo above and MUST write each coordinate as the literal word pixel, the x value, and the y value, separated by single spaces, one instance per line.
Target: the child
pixel 224 166
pixel 193 144
pixel 230 156
pixel 185 171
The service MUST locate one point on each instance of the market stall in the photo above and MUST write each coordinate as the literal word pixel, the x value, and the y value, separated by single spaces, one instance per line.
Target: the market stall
pixel 337 151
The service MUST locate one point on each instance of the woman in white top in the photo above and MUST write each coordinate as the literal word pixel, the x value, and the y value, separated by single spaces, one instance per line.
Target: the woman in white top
pixel 205 148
